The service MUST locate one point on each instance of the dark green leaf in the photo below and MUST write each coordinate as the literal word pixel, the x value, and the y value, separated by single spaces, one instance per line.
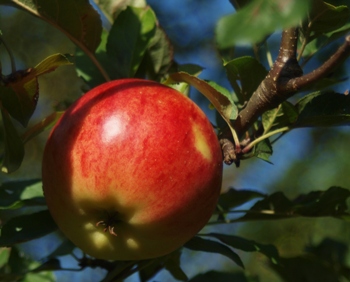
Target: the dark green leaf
pixel 234 198
pixel 325 18
pixel 331 202
pixel 246 245
pixel 64 249
pixel 50 265
pixel 241 70
pixel 129 39
pixel 172 264
pixel 26 227
pixel 210 246
pixel 160 52
pixel 20 95
pixel 323 109
pixel 263 150
pixel 284 115
pixel 258 19
pixel 77 19
pixel 19 193
pixel 222 276
pixel 14 147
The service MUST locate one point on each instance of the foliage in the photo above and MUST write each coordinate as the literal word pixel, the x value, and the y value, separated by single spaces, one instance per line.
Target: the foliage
pixel 131 43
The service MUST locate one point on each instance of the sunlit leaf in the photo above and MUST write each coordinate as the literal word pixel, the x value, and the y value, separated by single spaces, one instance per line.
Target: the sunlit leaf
pixel 129 38
pixel 221 100
pixel 26 227
pixel 210 246
pixel 323 109
pixel 284 115
pixel 258 19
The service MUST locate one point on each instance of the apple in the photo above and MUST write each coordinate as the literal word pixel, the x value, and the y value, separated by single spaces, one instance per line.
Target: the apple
pixel 132 170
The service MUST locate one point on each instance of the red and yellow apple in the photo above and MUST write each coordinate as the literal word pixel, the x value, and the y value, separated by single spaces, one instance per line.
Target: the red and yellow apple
pixel 132 170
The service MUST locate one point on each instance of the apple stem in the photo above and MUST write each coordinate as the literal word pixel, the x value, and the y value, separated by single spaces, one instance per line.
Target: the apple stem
pixel 108 223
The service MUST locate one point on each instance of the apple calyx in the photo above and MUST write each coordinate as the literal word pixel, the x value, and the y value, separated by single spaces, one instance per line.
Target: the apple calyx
pixel 109 223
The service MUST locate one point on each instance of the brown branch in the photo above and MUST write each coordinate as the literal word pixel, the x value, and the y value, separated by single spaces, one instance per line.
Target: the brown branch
pixel 283 80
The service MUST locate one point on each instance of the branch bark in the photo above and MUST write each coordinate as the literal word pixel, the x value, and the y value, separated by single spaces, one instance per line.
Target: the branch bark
pixel 283 80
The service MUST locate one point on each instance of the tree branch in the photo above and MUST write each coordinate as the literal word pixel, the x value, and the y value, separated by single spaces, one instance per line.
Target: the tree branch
pixel 283 80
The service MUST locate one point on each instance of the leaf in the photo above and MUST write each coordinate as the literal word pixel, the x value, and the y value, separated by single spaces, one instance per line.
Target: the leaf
pixel 14 147
pixel 17 194
pixel 129 38
pixel 263 150
pixel 284 115
pixel 241 69
pixel 331 202
pixel 20 94
pixel 160 52
pixel 323 109
pixel 76 18
pixel 222 276
pixel 210 246
pixel 172 264
pixel 246 245
pixel 324 18
pixel 65 248
pixel 43 125
pixel 51 63
pixel 257 20
pixel 49 265
pixel 26 227
pixel 234 198
pixel 222 101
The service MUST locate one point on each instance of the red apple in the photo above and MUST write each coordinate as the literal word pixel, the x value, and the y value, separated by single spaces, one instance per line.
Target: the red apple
pixel 132 170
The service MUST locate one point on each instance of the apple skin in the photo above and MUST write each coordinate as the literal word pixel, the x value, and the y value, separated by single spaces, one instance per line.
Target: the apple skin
pixel 132 170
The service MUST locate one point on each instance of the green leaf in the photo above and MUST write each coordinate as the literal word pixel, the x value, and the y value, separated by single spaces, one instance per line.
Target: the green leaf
pixel 241 70
pixel 49 265
pixel 65 248
pixel 76 18
pixel 14 147
pixel 263 150
pixel 246 245
pixel 20 94
pixel 210 246
pixel 51 63
pixel 172 264
pixel 234 198
pixel 221 100
pixel 258 19
pixel 26 227
pixel 129 39
pixel 324 18
pixel 14 195
pixel 284 115
pixel 323 109
pixel 160 52
pixel 331 202
pixel 223 276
